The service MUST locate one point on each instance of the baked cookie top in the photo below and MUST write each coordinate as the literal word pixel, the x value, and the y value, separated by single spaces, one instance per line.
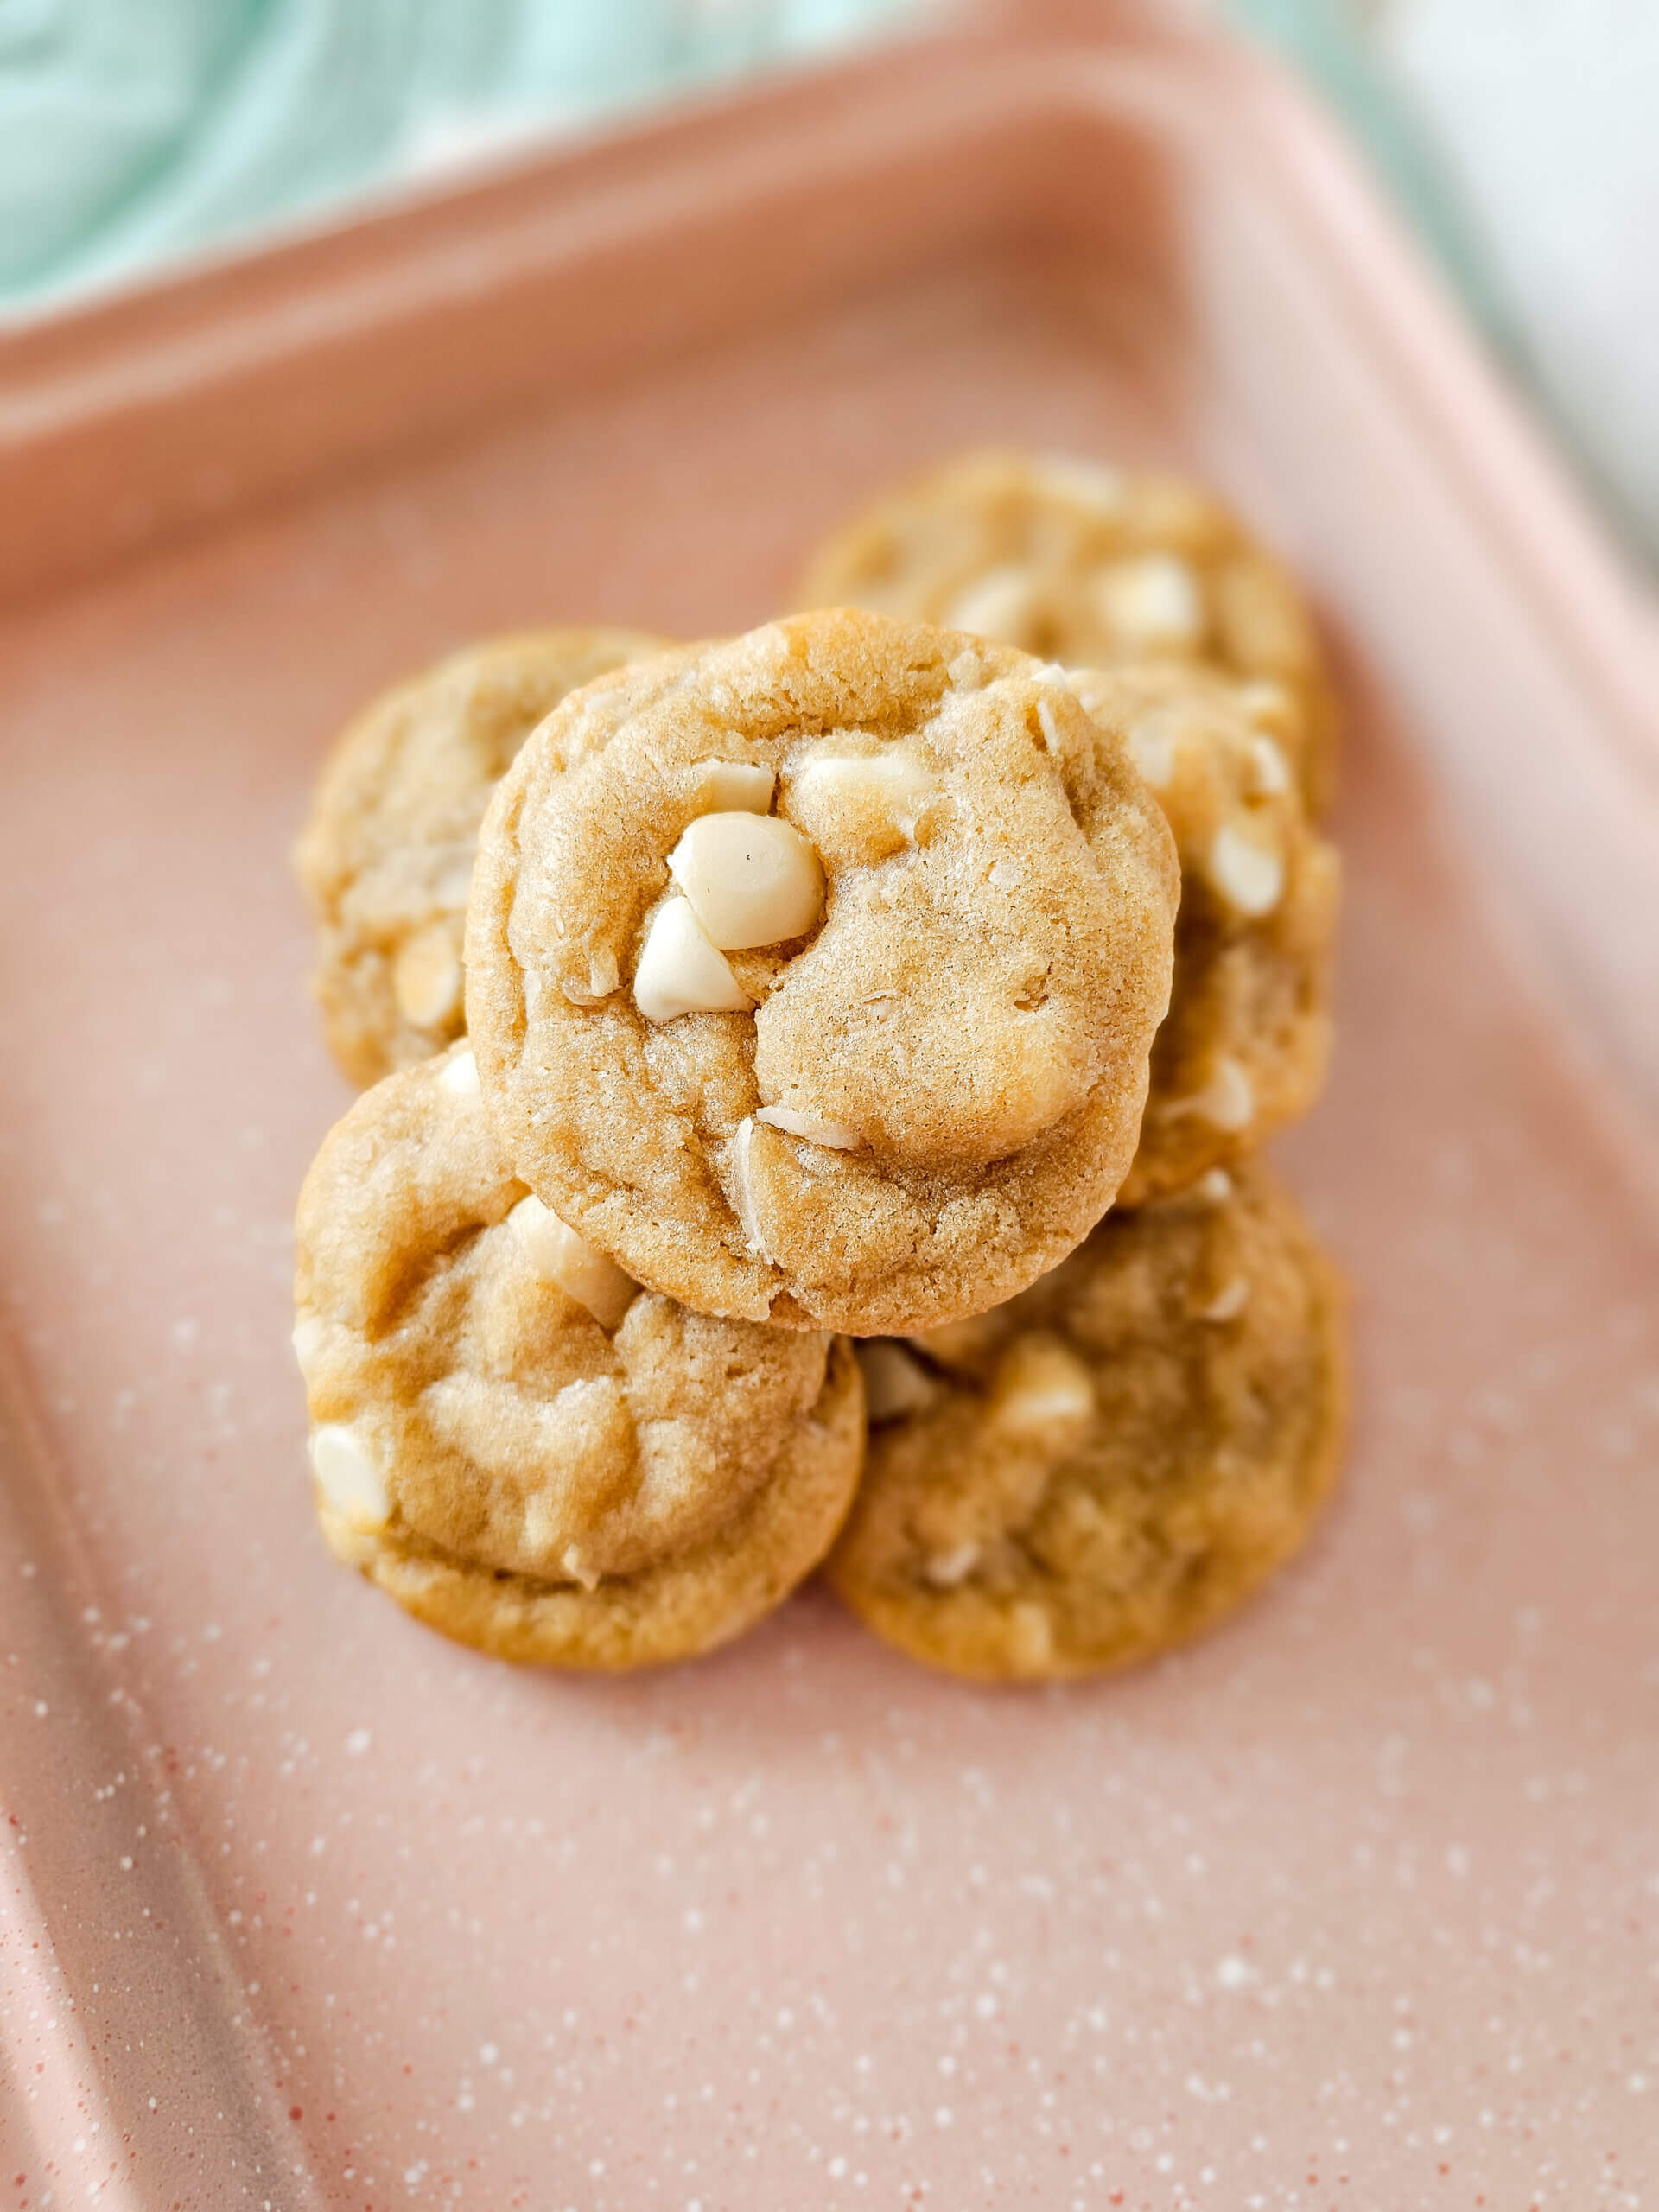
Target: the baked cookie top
pixel 821 988
pixel 1079 563
pixel 1113 1461
pixel 1244 1047
pixel 527 1449
pixel 386 855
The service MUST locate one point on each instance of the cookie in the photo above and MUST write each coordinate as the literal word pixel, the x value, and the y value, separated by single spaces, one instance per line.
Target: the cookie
pixel 521 1446
pixel 1115 1460
pixel 1090 565
pixel 1245 1045
pixel 387 854
pixel 822 991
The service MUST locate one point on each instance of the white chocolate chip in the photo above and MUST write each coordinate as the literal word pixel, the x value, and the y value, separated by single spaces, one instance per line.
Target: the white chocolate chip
pixel 1227 1101
pixel 1092 482
pixel 1154 752
pixel 459 1074
pixel 1031 1637
pixel 1084 688
pixel 742 1153
pixel 578 1569
pixel 680 971
pixel 1215 1185
pixel 946 1569
pixel 310 1335
pixel 878 795
pixel 562 1256
pixel 894 1383
pixel 352 1483
pixel 426 977
pixel 835 1134
pixel 1249 877
pixel 967 672
pixel 1003 876
pixel 735 787
pixel 603 977
pixel 1262 700
pixel 1228 1302
pixel 998 601
pixel 455 887
pixel 1151 601
pixel 1270 768
pixel 538 1527
pixel 751 879
pixel 1042 1393
pixel 1046 723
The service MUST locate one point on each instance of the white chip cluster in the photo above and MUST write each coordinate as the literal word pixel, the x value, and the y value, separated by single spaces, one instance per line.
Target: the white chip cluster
pixel 741 877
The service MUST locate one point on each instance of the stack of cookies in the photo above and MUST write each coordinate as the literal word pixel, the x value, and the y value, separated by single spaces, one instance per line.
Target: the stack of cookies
pixel 759 1034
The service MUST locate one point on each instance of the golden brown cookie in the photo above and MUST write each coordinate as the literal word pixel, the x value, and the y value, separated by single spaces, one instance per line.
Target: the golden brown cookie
pixel 1114 1461
pixel 1076 562
pixel 523 1448
pixel 387 854
pixel 1244 1046
pixel 822 989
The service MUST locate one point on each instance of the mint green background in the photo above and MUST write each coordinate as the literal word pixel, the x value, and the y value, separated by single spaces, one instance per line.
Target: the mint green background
pixel 132 132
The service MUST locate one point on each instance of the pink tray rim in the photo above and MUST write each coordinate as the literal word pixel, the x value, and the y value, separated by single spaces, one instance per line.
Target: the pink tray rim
pixel 151 355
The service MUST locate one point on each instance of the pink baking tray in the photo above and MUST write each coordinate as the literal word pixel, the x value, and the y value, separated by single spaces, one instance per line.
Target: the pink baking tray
pixel 1352 1905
